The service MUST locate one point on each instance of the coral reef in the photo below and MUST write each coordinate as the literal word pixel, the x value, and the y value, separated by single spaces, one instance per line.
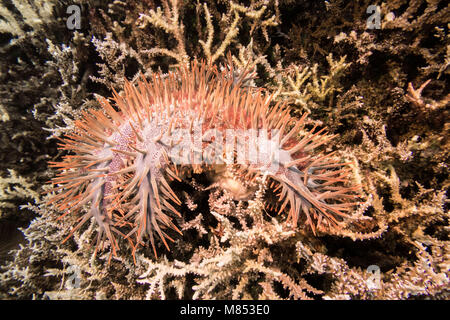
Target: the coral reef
pixel 382 93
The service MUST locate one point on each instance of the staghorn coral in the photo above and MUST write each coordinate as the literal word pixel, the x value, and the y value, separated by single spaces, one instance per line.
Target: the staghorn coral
pixel 29 88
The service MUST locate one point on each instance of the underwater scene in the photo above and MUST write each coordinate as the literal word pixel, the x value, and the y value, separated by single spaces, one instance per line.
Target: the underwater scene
pixel 224 150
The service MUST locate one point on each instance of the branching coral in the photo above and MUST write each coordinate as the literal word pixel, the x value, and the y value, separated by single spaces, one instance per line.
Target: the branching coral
pixel 28 88
pixel 169 20
pixel 306 89
pixel 238 265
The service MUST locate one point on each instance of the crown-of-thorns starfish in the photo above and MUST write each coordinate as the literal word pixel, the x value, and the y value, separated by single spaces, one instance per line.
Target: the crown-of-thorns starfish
pixel 121 160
